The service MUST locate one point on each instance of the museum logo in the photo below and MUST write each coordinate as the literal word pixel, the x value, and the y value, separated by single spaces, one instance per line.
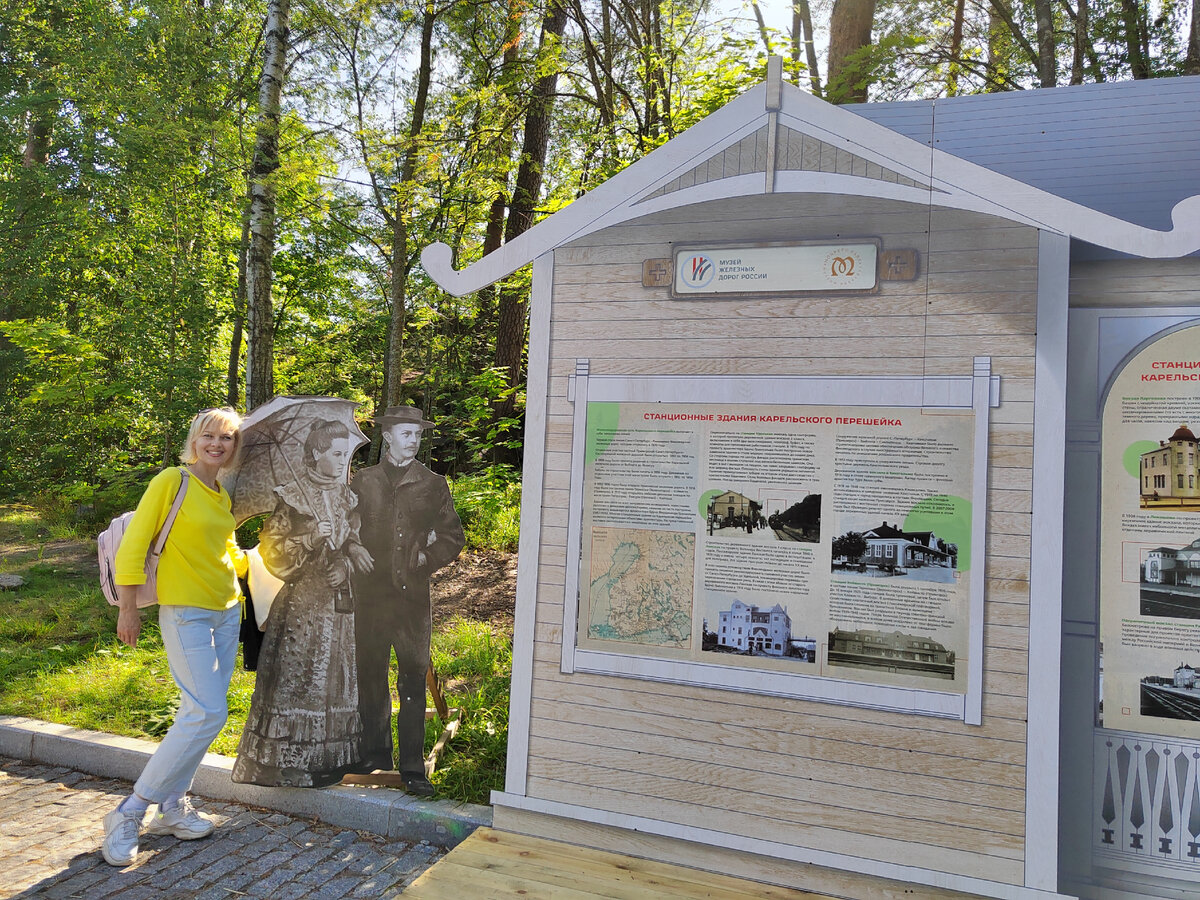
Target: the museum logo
pixel 841 264
pixel 698 271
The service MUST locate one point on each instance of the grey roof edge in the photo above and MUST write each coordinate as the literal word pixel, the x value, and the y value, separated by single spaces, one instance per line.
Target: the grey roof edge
pixel 383 811
pixel 1130 149
pixel 963 183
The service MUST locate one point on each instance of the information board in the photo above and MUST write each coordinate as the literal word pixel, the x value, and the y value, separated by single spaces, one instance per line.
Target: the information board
pixel 823 541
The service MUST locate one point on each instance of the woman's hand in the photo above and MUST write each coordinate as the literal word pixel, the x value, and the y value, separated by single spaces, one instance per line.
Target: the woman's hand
pixel 129 619
pixel 338 574
pixel 314 539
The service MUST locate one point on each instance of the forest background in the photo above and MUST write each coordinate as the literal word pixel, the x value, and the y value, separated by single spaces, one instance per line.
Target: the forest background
pixel 207 203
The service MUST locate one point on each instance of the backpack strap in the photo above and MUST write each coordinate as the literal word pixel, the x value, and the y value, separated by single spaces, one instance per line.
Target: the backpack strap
pixel 161 540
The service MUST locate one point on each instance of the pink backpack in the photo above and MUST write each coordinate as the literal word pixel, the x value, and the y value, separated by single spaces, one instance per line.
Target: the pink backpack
pixel 109 540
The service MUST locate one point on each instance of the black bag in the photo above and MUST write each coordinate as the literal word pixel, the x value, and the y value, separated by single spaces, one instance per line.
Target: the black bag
pixel 250 636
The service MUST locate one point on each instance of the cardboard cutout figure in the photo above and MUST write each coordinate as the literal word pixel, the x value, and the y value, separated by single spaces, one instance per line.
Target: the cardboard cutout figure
pixel 304 728
pixel 410 529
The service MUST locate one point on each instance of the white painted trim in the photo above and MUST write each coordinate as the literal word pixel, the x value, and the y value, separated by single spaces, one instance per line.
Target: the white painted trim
pixel 929 392
pixel 977 392
pixel 970 186
pixel 775 850
pixel 528 547
pixel 956 183
pixel 791 685
pixel 774 82
pixel 772 152
pixel 1046 565
pixel 579 396
pixel 1020 201
pixel 981 399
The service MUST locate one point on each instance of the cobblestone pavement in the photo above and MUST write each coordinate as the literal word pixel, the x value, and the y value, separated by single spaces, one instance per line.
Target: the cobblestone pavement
pixel 50 834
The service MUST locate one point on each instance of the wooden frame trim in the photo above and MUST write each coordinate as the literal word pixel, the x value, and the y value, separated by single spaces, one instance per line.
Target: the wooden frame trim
pixel 956 183
pixel 981 401
pixel 1046 564
pixel 740 843
pixel 578 394
pixel 978 392
pixel 529 542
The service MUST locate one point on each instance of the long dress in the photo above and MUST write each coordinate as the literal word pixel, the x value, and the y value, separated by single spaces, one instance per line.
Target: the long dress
pixel 304 728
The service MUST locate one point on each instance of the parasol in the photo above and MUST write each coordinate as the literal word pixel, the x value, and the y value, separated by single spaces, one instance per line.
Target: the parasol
pixel 272 449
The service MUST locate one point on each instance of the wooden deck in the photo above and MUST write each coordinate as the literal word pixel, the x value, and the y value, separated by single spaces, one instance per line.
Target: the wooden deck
pixel 499 865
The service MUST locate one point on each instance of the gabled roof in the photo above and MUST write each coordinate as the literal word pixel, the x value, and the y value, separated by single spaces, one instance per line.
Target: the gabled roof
pixel 885 531
pixel 1130 149
pixel 777 139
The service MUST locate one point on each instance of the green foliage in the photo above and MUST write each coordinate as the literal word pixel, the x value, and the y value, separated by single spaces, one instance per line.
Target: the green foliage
pixel 120 303
pixel 60 661
pixel 476 667
pixel 489 505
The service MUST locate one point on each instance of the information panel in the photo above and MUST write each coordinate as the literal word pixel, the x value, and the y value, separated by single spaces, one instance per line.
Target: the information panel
pixel 1150 541
pixel 823 541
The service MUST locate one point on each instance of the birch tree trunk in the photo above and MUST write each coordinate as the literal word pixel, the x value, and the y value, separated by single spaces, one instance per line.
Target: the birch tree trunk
pixel 260 338
pixel 234 365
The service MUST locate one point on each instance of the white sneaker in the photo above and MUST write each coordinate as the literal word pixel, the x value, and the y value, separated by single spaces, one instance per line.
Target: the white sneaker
pixel 120 847
pixel 183 821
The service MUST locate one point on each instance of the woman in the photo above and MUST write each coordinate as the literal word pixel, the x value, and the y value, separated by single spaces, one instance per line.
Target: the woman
pixel 304 729
pixel 199 613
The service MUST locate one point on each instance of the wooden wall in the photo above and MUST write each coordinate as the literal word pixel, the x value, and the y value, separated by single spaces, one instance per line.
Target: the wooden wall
pixel 908 790
pixel 1136 282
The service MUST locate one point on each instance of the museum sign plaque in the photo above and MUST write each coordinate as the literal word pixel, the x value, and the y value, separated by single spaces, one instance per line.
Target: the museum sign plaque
pixel 775 269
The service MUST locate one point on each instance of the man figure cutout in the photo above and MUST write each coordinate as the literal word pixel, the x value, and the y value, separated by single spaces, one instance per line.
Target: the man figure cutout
pixel 411 530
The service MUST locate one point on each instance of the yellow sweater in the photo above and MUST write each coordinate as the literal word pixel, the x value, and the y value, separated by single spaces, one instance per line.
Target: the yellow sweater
pixel 201 560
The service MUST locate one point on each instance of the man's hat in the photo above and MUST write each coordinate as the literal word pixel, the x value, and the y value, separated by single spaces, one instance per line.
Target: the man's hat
pixel 402 415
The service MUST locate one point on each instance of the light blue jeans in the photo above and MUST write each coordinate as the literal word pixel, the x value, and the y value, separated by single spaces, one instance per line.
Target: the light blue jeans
pixel 201 650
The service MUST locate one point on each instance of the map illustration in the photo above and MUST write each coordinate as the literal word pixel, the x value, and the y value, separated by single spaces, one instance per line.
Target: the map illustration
pixel 641 586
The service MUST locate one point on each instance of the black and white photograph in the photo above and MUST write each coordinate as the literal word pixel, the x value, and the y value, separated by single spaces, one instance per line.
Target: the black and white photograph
pixel 730 514
pixel 743 629
pixel 1170 582
pixel 886 550
pixel 1174 696
pixel 890 651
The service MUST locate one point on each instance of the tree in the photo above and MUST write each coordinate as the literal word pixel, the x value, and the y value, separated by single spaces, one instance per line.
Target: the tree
pixel 850 68
pixel 850 546
pixel 513 299
pixel 1192 63
pixel 260 357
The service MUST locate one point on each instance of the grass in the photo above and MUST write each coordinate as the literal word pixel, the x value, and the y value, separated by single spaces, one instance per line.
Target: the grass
pixel 475 664
pixel 60 661
pixel 489 505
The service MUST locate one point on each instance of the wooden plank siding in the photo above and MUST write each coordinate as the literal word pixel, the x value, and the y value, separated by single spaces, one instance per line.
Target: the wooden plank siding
pixel 732 862
pixel 500 865
pixel 1136 282
pixel 867 783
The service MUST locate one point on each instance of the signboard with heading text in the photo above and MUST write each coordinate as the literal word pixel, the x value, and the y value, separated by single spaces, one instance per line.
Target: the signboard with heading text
pixel 777 269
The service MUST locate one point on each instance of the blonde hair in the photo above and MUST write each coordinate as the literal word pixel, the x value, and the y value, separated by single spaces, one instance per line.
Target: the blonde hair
pixel 223 419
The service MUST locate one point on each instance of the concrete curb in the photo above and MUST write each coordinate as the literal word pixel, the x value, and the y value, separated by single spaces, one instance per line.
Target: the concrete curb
pixel 382 811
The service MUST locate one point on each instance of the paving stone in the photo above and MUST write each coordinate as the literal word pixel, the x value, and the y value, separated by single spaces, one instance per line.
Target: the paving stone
pixel 375 885
pixel 53 829
pixel 290 891
pixel 74 886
